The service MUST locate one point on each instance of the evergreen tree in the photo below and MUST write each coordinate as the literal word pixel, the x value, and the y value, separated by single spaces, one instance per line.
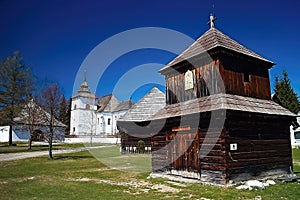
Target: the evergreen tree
pixel 64 114
pixel 286 94
pixel 62 109
pixel 16 81
pixel 68 116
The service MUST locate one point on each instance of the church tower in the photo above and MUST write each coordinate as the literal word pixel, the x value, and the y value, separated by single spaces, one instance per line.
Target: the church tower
pixel 83 117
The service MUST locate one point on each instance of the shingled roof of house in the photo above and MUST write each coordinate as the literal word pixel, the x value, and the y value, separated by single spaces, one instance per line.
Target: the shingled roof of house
pixel 146 107
pixel 108 103
pixel 219 102
pixel 126 105
pixel 33 114
pixel 211 39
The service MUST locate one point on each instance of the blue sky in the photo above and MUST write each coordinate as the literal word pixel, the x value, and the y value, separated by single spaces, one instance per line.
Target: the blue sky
pixel 55 37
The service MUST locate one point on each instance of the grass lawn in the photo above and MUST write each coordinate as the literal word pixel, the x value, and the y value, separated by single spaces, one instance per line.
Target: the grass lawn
pixel 22 147
pixel 296 159
pixel 81 176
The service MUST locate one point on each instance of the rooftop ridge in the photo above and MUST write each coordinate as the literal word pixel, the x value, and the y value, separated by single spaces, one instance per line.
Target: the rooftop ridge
pixel 213 38
pixel 147 106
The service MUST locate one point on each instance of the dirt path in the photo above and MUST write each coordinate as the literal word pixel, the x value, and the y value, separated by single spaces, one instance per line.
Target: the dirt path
pixel 23 155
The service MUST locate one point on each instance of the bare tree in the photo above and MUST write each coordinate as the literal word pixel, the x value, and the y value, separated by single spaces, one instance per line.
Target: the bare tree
pixel 31 113
pixel 31 118
pixel 50 102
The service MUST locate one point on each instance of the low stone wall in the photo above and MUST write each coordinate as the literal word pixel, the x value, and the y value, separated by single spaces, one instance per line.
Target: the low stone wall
pixel 104 140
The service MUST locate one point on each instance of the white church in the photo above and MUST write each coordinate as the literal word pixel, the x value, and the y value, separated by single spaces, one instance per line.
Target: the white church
pixel 93 116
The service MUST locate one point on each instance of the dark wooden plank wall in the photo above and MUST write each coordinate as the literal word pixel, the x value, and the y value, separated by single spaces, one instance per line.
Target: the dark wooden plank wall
pixel 257 87
pixel 208 78
pixel 206 81
pixel 263 145
pixel 198 150
pixel 132 132
pixel 130 141
pixel 159 158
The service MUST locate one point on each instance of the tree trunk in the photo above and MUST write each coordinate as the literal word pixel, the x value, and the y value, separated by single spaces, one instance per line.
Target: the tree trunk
pixel 10 136
pixel 50 148
pixel 29 142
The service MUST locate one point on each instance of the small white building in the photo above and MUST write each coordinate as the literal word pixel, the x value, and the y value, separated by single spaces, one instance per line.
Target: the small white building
pixel 19 135
pixel 110 109
pixel 295 134
pixel 90 117
pixel 32 116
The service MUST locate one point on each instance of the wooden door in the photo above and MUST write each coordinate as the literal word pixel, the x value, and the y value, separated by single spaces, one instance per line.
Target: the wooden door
pixel 183 151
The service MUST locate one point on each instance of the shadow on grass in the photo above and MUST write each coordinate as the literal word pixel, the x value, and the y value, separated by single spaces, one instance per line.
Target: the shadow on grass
pixel 72 157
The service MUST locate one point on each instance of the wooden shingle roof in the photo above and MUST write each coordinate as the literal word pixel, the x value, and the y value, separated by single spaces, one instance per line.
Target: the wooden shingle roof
pixel 33 114
pixel 211 39
pixel 151 103
pixel 126 105
pixel 222 101
pixel 108 103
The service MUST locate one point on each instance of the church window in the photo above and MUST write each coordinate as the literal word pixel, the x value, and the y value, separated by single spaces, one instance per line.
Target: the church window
pixel 73 129
pixel 87 106
pixel 108 121
pixel 75 107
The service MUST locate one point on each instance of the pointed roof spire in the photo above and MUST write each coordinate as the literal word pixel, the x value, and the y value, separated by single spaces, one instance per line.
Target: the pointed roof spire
pixel 84 78
pixel 84 90
pixel 84 86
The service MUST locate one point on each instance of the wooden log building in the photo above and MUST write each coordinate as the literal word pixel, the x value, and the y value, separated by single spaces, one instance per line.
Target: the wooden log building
pixel 219 124
pixel 131 125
